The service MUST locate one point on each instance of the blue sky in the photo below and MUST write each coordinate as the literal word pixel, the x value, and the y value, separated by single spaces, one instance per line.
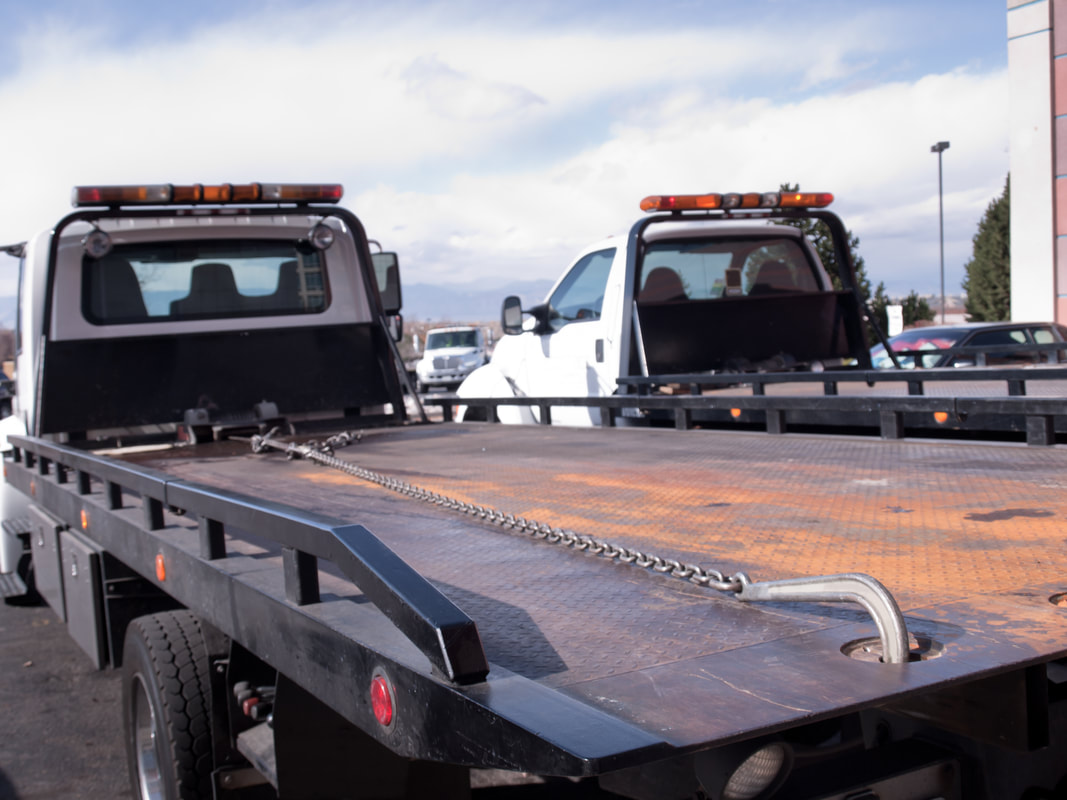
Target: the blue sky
pixel 487 141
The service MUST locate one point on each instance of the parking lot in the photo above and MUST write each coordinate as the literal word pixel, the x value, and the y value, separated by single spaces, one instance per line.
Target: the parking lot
pixel 59 717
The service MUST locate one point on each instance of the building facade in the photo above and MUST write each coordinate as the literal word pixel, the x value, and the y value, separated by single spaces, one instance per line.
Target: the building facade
pixel 1037 66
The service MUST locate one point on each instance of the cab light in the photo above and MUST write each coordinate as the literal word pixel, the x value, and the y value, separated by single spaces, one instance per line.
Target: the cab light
pixel 731 200
pixel 192 194
pixel 321 236
pixel 680 202
pixel 246 193
pixel 302 193
pixel 218 194
pixel 161 568
pixel 121 195
pixel 806 199
pixel 97 243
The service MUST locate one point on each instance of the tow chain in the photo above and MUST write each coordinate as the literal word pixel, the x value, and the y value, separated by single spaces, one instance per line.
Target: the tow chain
pixel 323 453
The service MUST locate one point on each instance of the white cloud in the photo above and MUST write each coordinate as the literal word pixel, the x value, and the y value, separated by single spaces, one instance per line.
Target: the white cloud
pixel 481 148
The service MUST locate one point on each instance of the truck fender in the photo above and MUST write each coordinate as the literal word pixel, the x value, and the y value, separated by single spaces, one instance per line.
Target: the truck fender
pixel 13 503
pixel 490 381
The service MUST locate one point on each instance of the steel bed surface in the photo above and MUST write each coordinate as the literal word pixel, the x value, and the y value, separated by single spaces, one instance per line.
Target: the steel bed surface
pixel 967 537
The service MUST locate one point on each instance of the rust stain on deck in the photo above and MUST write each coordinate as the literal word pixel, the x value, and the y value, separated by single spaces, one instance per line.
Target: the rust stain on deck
pixel 963 518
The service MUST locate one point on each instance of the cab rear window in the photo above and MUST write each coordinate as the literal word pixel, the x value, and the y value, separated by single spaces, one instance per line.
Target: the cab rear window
pixel 163 281
pixel 704 269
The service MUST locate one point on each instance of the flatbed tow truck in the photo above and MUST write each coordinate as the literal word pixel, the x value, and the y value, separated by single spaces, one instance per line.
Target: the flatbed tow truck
pixel 313 604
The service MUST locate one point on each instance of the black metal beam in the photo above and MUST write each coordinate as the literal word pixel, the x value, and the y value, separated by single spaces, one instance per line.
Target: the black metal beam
pixel 447 636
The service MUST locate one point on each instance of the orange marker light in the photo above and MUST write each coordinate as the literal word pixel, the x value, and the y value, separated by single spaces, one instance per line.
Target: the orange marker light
pixel 941 417
pixel 161 568
pixel 85 520
pixel 33 487
pixel 735 413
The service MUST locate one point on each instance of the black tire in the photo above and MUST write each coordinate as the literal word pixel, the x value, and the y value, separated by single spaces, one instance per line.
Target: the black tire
pixel 476 415
pixel 166 706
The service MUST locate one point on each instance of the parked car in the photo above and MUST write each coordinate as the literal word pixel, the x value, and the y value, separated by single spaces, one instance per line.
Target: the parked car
pixel 1001 343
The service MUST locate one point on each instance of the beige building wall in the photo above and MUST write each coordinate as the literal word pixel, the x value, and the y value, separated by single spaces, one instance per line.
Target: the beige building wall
pixel 1038 131
pixel 1037 63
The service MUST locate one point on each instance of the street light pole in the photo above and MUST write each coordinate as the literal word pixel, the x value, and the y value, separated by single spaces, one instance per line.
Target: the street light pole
pixel 939 148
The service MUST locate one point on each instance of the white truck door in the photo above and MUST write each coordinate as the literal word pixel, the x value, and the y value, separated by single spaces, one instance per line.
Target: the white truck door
pixel 569 359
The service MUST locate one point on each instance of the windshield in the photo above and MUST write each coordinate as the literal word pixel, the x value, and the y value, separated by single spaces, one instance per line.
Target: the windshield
pixel 438 340
pixel 163 281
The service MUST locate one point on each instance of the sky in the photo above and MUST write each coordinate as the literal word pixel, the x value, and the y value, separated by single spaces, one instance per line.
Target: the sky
pixel 488 142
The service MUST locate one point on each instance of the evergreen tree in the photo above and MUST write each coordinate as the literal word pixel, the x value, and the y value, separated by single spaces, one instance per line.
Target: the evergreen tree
pixel 988 281
pixel 916 309
pixel 877 305
pixel 820 237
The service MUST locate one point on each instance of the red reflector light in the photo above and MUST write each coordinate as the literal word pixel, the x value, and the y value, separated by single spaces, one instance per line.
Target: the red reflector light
pixel 381 700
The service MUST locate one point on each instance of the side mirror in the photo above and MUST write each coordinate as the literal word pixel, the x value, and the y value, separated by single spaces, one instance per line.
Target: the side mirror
pixel 387 278
pixel 396 327
pixel 511 315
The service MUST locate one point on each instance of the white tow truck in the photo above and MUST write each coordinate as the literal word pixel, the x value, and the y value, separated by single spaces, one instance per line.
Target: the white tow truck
pixel 714 294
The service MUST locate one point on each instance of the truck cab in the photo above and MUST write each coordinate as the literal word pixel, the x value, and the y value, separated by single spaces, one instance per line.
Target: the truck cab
pixel 169 313
pixel 711 287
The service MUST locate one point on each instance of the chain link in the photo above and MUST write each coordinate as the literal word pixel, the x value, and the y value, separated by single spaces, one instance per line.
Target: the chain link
pixel 323 453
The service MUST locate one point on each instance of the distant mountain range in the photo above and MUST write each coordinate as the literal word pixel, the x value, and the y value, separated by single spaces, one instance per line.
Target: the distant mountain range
pixel 468 302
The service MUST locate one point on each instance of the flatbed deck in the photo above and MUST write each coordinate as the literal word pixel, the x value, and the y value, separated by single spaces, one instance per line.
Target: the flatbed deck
pixel 968 537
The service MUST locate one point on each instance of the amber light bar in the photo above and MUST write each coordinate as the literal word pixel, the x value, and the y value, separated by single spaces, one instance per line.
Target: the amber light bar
pixel 214 194
pixel 696 202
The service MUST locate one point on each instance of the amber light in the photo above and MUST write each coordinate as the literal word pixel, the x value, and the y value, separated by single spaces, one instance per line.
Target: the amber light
pixel 85 519
pixel 216 194
pixel 161 568
pixel 735 413
pixel 806 199
pixel 680 202
pixel 735 200
pixel 941 417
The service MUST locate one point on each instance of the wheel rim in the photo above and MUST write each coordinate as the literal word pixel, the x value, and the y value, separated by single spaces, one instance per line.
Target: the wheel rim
pixel 149 779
